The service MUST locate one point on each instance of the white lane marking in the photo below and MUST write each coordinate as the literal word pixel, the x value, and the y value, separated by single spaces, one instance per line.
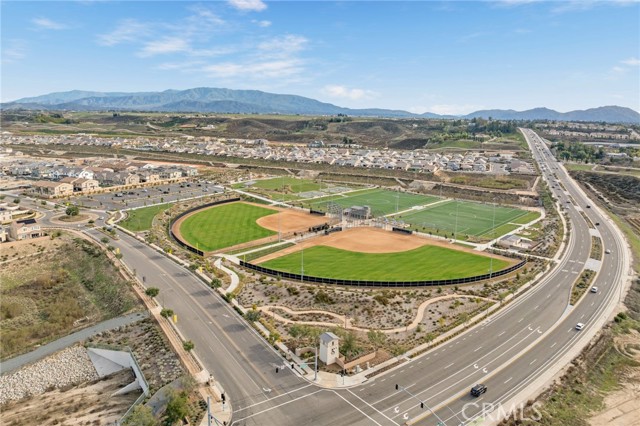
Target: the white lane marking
pixel 521 319
pixel 449 365
pixel 533 361
pixel 348 402
pixel 477 349
pixel 288 402
pixel 501 333
pixel 508 380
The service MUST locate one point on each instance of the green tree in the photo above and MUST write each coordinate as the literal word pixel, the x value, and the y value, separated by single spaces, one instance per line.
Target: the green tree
pixel 72 211
pixel 349 345
pixel 152 291
pixel 188 345
pixel 166 313
pixel 177 408
pixel 141 416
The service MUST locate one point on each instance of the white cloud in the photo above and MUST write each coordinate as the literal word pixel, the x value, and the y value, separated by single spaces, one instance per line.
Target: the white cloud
pixel 164 46
pixel 343 92
pixel 255 70
pixel 14 51
pixel 48 24
pixel 263 24
pixel 127 31
pixel 453 109
pixel 248 5
pixel 283 45
pixel 631 61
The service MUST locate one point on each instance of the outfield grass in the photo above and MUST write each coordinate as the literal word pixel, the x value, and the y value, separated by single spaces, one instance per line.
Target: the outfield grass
pixel 224 226
pixel 140 219
pixel 472 218
pixel 423 263
pixel 382 202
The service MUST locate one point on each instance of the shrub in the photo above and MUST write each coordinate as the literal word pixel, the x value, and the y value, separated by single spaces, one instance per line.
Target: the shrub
pixel 152 291
pixel 188 345
pixel 166 312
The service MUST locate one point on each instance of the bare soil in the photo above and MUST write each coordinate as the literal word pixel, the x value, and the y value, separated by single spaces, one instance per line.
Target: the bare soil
pixel 90 403
pixel 290 220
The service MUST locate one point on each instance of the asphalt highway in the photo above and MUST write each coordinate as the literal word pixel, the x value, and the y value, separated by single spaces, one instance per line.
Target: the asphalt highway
pixel 511 352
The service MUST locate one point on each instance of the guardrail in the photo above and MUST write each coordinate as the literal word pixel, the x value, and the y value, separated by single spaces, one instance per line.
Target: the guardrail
pixel 367 283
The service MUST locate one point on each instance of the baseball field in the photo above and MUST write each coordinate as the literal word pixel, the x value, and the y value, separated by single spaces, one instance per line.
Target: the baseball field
pixel 367 253
pixel 423 263
pixel 229 225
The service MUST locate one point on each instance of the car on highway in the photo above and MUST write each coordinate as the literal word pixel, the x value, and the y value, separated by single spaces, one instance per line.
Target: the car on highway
pixel 594 289
pixel 579 326
pixel 597 223
pixel 478 390
pixel 607 251
pixel 588 206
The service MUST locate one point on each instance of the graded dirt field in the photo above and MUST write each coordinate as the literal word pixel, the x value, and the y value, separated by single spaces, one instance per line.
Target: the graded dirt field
pixel 291 221
pixel 374 254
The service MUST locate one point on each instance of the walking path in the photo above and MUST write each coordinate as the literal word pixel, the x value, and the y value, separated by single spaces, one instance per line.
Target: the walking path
pixel 66 341
pixel 348 321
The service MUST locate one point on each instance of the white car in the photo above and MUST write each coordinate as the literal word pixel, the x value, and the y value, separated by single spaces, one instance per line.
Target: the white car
pixel 594 289
pixel 579 326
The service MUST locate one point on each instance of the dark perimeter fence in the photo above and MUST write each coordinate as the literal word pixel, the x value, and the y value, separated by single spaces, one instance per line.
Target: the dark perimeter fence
pixel 365 283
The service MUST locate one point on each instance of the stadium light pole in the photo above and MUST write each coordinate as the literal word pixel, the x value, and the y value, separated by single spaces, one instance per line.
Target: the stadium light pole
pixel 455 229
pixel 493 235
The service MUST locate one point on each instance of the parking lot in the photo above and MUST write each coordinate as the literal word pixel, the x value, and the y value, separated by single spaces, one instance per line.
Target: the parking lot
pixel 141 197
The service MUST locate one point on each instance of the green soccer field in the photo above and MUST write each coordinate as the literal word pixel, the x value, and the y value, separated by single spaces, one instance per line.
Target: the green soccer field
pixel 423 263
pixel 475 219
pixel 382 202
pixel 225 226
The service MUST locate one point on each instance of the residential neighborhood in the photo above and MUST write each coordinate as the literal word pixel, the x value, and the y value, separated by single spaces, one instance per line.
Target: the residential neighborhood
pixel 317 152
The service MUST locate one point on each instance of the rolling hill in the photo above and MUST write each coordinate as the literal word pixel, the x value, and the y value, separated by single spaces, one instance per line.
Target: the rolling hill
pixel 219 100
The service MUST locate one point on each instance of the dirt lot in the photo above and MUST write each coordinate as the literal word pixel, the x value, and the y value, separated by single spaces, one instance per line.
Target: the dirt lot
pixel 90 403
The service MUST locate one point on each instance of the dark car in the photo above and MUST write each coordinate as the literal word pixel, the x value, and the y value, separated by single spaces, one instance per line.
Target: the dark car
pixel 478 390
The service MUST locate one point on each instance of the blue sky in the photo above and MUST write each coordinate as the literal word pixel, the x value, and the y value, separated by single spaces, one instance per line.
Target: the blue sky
pixel 443 57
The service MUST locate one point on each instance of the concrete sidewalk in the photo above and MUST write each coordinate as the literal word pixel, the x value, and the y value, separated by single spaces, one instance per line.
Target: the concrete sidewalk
pixel 66 341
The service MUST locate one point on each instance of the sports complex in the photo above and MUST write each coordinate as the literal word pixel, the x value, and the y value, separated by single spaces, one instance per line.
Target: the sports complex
pixel 322 243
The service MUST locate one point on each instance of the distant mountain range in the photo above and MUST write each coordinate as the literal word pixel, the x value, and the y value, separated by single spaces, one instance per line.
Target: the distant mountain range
pixel 204 99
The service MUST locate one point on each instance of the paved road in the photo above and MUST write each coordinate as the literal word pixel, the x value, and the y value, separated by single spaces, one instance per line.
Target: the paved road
pixel 66 341
pixel 512 353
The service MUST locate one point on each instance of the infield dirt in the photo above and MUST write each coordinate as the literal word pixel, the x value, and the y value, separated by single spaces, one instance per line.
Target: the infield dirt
pixel 371 240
